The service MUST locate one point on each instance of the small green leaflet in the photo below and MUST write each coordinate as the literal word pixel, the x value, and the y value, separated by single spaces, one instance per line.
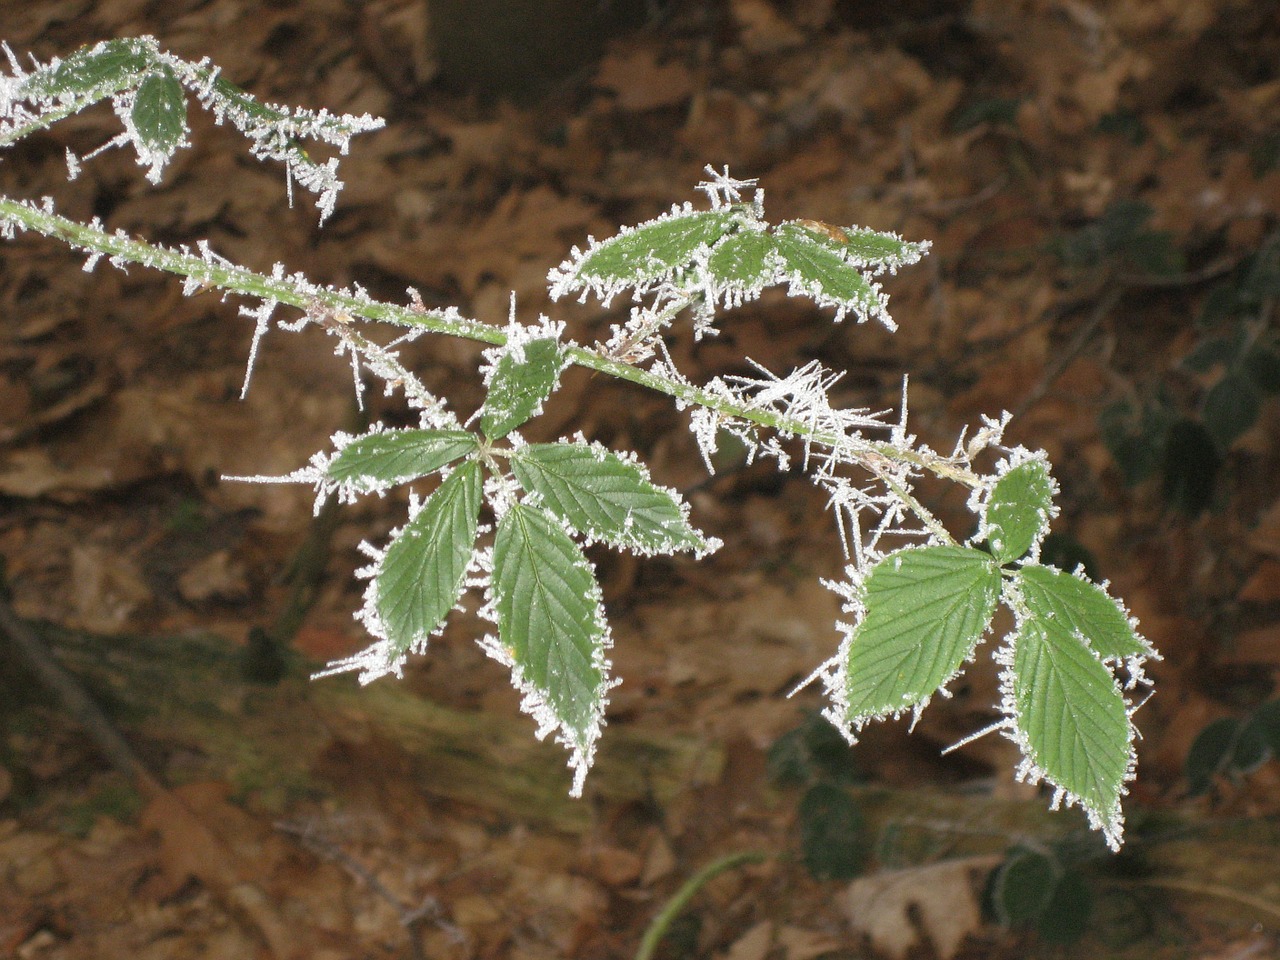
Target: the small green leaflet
pixel 743 260
pixel 655 249
pixel 421 574
pixel 1082 608
pixel 926 609
pixel 551 627
pixel 1019 510
pixel 818 269
pixel 376 461
pixel 1071 718
pixel 160 112
pixel 518 386
pixel 100 70
pixel 883 251
pixel 605 497
pixel 1023 886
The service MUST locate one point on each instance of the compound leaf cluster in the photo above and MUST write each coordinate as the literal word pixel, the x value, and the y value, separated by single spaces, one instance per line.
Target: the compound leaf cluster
pixel 924 609
pixel 729 254
pixel 918 612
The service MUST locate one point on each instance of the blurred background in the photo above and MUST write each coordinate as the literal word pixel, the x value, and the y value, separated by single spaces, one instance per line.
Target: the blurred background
pixel 1101 183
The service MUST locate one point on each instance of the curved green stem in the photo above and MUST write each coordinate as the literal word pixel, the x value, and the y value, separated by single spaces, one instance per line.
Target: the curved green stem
pixel 212 272
pixel 675 906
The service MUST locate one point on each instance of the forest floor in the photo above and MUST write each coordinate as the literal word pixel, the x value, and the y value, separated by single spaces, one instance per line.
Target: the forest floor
pixel 1097 179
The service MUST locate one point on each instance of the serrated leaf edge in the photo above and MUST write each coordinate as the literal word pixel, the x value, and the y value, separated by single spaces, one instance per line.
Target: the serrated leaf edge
pixel 582 750
pixel 520 336
pixel 980 499
pixel 832 673
pixel 381 658
pixel 567 278
pixel 1110 823
pixel 592 535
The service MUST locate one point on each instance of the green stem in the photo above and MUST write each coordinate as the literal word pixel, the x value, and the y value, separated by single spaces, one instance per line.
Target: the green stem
pixel 675 906
pixel 297 292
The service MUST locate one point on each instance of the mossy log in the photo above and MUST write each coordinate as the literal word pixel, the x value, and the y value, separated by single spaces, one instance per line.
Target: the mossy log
pixel 185 706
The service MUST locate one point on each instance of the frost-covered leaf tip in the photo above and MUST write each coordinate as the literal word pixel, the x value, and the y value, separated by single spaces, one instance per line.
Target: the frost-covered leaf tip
pixel 551 630
pixel 421 575
pixel 1019 508
pixel 1066 709
pixel 381 458
pixel 639 257
pixel 922 612
pixel 606 497
pixel 524 375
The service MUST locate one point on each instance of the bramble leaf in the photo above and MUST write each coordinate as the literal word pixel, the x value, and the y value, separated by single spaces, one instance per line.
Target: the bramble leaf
pixel 1019 509
pixel 551 628
pixel 926 608
pixel 1230 408
pixel 520 382
pixel 883 251
pixel 1023 885
pixel 421 574
pixel 834 843
pixel 607 498
pixel 100 70
pixel 1071 720
pixel 817 268
pixel 1083 609
pixel 160 112
pixel 376 461
pixel 654 250
pixel 742 260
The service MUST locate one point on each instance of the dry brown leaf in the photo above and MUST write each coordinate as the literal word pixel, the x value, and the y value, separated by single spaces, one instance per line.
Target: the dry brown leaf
pixel 755 944
pixel 763 30
pixel 31 473
pixel 801 944
pixel 641 83
pixel 942 896
pixel 217 576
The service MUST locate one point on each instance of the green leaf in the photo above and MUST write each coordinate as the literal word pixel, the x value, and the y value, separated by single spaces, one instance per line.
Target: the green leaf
pixel 884 250
pixel 1266 719
pixel 551 628
pixel 654 249
pixel 1211 753
pixel 1019 510
pixel 99 70
pixel 1083 609
pixel 1023 886
pixel 605 497
pixel 376 461
pixel 421 574
pixel 833 836
pixel 817 268
pixel 1066 918
pixel 813 750
pixel 742 260
pixel 1190 466
pixel 1263 368
pixel 1071 719
pixel 519 384
pixel 926 609
pixel 1210 352
pixel 1230 408
pixel 160 112
pixel 1135 437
